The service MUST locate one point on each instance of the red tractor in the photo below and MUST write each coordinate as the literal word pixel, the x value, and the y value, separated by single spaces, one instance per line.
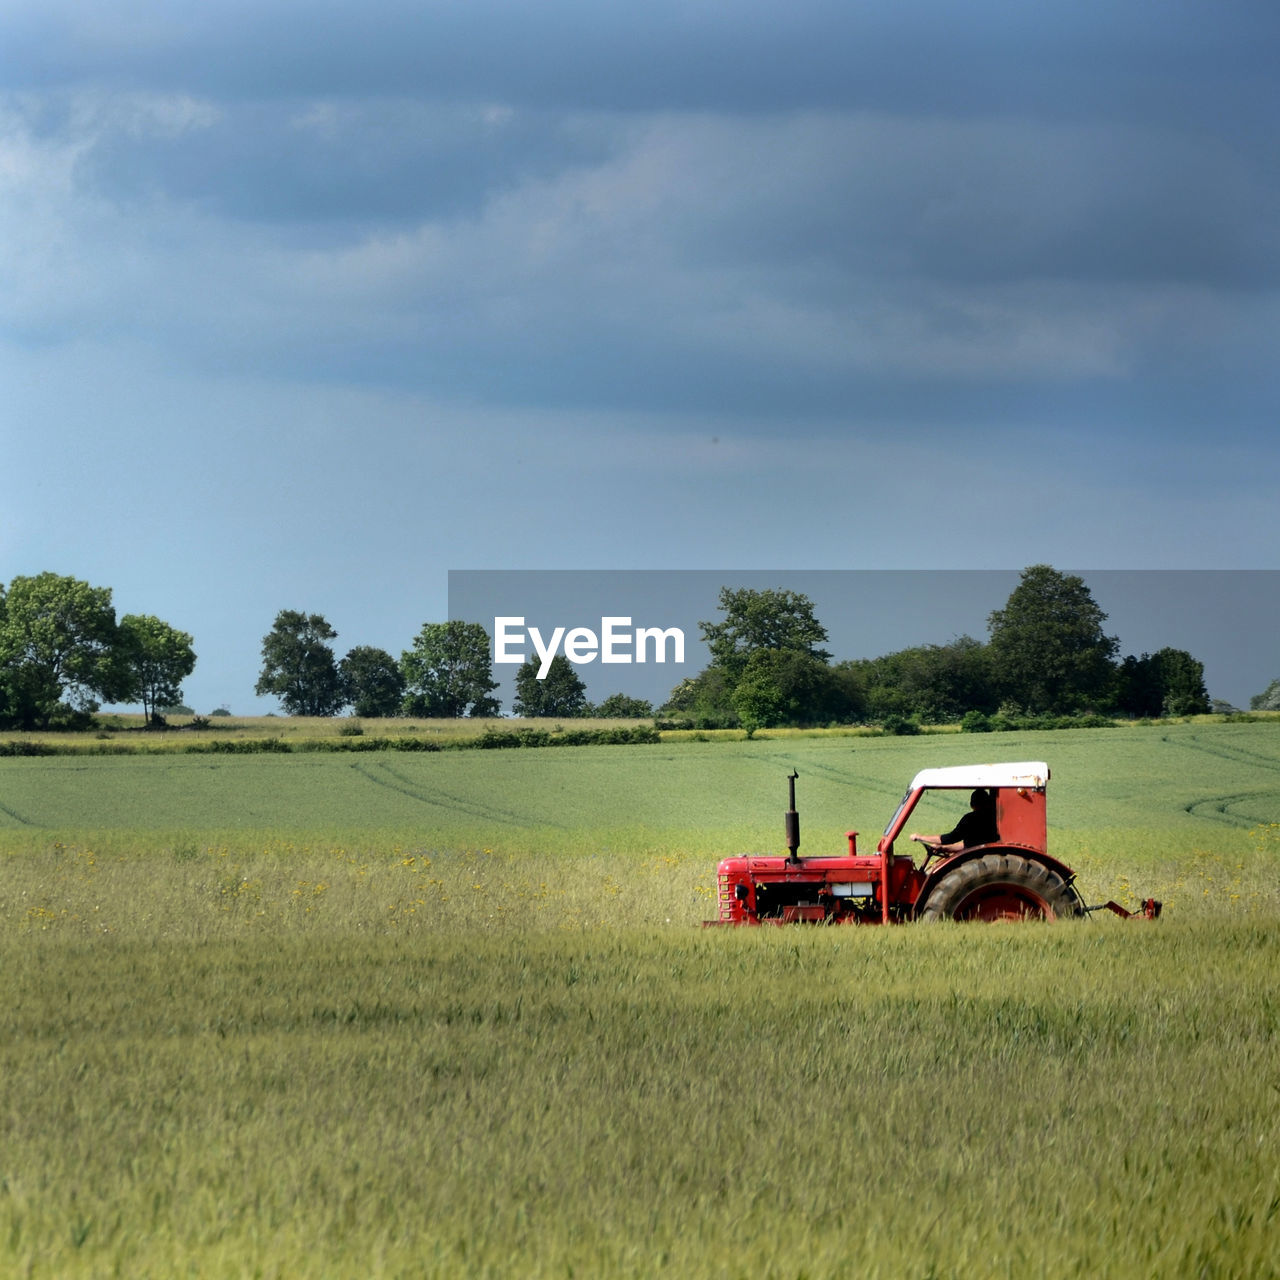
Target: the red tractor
pixel 994 866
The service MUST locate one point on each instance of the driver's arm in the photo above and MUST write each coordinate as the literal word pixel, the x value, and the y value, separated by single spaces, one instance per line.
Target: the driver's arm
pixel 935 843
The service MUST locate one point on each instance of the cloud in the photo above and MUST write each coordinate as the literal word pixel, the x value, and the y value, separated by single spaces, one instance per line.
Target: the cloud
pixel 908 268
pixel 333 169
pixel 940 245
pixel 987 57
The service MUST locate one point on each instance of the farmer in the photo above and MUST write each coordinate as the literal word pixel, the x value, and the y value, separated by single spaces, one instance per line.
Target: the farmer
pixel 978 826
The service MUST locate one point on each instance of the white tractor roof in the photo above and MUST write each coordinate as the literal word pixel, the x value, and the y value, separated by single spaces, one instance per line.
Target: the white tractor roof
pixel 1026 773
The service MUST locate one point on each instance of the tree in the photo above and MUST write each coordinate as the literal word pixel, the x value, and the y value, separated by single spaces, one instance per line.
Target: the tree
pixel 1167 683
pixel 373 681
pixel 448 672
pixel 1138 691
pixel 58 640
pixel 1268 699
pixel 706 699
pixel 1048 650
pixel 159 658
pixel 618 706
pixel 771 619
pixel 6 715
pixel 1181 683
pixel 560 693
pixel 786 686
pixel 298 665
pixel 933 683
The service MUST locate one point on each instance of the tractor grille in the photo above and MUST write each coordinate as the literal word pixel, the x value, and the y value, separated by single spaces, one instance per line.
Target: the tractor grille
pixel 727 901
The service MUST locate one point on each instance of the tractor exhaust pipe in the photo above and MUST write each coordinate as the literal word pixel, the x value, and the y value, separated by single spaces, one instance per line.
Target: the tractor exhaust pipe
pixel 792 821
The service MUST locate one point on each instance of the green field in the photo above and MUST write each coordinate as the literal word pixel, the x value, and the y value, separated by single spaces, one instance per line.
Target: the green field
pixel 451 1014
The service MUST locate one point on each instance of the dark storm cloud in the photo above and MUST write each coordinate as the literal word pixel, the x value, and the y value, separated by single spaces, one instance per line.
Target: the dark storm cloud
pixel 361 163
pixel 1086 58
pixel 995 201
pixel 888 214
pixel 824 198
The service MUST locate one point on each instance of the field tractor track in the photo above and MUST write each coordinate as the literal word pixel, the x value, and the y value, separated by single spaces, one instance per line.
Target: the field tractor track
pixel 813 768
pixel 1238 755
pixel 16 816
pixel 1222 808
pixel 383 775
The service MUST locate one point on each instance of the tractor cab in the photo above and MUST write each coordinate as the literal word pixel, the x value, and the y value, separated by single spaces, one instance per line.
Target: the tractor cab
pixel 1018 789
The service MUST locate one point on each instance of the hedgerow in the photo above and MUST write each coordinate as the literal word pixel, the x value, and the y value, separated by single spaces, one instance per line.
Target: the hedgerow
pixel 491 739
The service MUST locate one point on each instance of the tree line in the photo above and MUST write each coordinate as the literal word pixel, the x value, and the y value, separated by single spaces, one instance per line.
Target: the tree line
pixel 63 652
pixel 446 673
pixel 1046 655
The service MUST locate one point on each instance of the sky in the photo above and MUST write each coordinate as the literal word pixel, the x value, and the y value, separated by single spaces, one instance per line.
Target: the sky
pixel 306 306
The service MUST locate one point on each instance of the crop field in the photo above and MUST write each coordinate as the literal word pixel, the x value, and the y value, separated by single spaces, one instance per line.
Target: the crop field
pixel 452 1014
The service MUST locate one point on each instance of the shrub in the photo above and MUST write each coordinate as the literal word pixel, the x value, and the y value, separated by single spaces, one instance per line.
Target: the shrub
pixel 238 746
pixel 621 707
pixel 493 738
pixel 900 726
pixel 73 719
pixel 17 748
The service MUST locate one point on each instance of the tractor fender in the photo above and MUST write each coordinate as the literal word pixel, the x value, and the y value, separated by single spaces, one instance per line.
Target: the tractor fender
pixel 1030 852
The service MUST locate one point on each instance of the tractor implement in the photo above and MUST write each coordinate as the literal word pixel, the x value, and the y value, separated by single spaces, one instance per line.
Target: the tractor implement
pixel 1149 910
pixel 995 865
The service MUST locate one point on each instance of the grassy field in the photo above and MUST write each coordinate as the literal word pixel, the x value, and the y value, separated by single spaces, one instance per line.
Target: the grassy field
pixel 451 1015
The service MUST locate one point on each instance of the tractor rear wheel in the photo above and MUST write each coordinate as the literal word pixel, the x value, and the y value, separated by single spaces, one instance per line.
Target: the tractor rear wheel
pixel 1001 886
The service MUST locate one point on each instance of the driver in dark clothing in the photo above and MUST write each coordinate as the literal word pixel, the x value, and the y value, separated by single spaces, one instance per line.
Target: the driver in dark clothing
pixel 978 826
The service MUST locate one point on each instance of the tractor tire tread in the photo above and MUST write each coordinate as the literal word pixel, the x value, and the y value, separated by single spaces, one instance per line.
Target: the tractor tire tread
pixel 990 870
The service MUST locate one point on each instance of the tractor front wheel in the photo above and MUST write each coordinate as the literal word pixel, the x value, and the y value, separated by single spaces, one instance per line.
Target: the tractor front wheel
pixel 1001 886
